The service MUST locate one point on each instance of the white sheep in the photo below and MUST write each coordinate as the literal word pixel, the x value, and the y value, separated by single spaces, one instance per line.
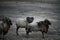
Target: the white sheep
pixel 22 23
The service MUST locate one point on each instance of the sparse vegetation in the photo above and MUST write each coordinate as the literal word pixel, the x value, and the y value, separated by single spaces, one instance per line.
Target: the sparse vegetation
pixel 42 1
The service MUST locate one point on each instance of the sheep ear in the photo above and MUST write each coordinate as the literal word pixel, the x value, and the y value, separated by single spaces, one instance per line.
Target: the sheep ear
pixel 10 21
pixel 27 18
pixel 32 18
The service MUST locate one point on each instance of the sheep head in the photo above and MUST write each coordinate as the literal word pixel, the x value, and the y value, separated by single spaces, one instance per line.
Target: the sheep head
pixel 47 22
pixel 29 19
pixel 7 20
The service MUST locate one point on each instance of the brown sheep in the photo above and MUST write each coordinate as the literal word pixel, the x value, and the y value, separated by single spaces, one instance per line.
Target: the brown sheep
pixel 39 26
pixel 5 25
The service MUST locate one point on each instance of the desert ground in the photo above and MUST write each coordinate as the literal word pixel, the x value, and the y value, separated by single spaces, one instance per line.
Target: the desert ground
pixel 39 11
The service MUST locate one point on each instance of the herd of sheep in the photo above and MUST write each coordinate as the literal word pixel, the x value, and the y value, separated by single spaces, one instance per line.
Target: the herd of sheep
pixel 26 23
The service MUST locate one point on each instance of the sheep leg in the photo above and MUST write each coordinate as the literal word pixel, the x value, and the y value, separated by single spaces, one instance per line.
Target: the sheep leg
pixel 27 32
pixel 3 37
pixel 42 34
pixel 17 30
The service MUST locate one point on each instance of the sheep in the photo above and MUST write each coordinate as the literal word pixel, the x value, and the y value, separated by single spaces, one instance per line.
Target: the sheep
pixel 22 23
pixel 39 26
pixel 5 25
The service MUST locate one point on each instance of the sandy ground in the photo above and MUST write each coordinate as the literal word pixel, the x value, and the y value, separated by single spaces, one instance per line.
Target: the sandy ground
pixel 11 35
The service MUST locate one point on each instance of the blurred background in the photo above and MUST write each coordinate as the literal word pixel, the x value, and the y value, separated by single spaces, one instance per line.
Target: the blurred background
pixel 39 9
